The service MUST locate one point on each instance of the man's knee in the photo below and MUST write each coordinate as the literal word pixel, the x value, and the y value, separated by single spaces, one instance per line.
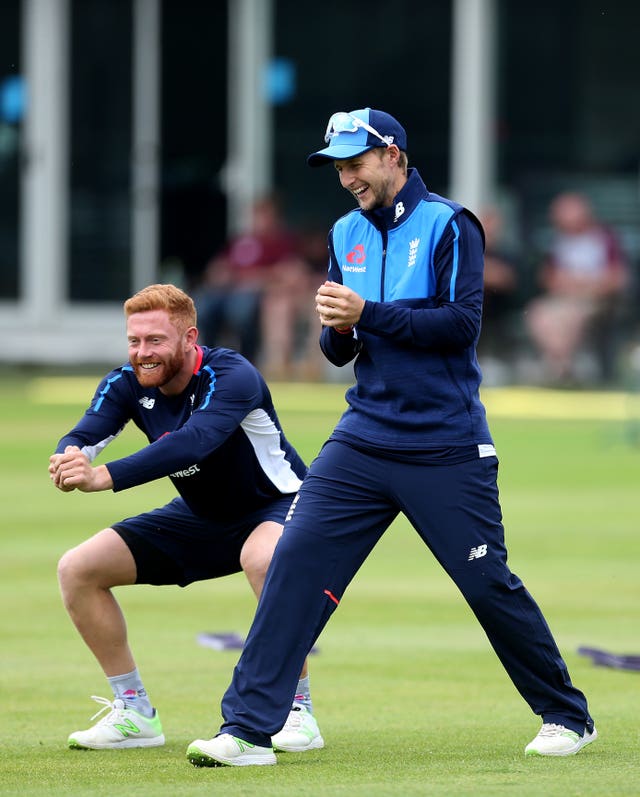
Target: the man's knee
pixel 101 562
pixel 255 560
pixel 257 552
pixel 70 567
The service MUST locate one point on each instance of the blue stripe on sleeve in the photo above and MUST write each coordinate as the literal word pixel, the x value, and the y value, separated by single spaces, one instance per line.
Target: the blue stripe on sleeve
pixel 107 388
pixel 212 387
pixel 454 270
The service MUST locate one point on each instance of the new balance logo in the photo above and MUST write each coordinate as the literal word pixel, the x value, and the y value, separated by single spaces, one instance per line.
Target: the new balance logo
pixel 399 211
pixel 126 727
pixel 147 403
pixel 477 553
pixel 413 251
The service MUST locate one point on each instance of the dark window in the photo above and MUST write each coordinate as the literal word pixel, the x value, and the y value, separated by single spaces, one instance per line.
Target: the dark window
pixel 568 77
pixel 348 54
pixel 568 83
pixel 194 133
pixel 11 113
pixel 100 150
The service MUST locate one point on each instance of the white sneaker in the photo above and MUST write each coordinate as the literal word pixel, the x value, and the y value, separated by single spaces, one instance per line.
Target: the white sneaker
pixel 230 751
pixel 558 740
pixel 300 732
pixel 122 727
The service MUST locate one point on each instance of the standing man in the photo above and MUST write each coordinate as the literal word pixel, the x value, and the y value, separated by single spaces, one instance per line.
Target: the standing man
pixel 213 430
pixel 404 297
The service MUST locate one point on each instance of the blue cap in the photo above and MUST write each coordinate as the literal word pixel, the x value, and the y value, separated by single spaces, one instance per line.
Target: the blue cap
pixel 348 138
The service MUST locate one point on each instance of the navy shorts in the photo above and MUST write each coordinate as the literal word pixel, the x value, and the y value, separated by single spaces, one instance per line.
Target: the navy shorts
pixel 171 545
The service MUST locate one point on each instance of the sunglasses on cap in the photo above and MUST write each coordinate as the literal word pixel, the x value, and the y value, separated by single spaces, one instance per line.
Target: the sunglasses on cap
pixel 343 122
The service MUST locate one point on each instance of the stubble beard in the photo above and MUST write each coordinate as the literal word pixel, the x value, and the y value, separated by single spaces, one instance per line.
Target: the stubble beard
pixel 376 197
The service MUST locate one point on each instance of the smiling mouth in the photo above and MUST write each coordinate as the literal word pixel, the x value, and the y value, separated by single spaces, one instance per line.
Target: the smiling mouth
pixel 357 192
pixel 148 366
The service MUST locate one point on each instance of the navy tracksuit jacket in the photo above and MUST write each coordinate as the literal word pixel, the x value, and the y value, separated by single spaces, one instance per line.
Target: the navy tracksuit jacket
pixel 415 440
pixel 220 441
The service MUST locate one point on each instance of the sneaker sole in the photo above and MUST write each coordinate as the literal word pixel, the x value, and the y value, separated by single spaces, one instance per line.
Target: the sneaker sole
pixel 314 744
pixel 200 759
pixel 157 741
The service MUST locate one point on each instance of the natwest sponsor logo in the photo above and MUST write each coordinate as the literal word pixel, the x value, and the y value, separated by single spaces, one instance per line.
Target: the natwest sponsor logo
pixel 183 474
pixel 354 260
pixel 356 269
pixel 356 255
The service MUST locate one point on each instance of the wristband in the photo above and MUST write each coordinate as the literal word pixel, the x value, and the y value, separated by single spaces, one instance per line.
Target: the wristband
pixel 344 330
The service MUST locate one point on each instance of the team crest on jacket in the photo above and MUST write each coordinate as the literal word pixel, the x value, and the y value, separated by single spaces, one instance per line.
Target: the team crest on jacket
pixel 413 251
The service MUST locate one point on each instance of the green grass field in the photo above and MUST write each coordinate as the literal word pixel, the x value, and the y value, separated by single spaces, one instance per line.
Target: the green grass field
pixel 410 697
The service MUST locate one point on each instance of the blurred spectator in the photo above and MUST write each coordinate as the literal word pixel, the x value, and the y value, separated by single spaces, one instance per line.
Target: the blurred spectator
pixel 255 291
pixel 500 292
pixel 583 279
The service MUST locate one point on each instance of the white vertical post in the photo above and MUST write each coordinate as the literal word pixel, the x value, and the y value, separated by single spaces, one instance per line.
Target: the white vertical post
pixel 45 192
pixel 146 143
pixel 472 148
pixel 248 171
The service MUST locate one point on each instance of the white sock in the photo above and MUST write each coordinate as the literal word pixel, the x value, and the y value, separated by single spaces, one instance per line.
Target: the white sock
pixel 130 689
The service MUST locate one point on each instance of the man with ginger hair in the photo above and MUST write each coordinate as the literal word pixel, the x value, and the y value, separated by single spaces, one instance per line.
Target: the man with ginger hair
pixel 213 430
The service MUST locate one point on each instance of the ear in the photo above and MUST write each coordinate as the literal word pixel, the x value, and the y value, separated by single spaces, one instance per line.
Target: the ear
pixel 190 338
pixel 393 151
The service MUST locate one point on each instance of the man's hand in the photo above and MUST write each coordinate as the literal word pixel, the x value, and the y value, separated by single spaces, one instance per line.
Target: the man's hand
pixel 73 471
pixel 338 306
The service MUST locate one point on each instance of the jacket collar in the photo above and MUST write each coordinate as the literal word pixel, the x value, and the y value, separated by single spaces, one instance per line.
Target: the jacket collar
pixel 405 202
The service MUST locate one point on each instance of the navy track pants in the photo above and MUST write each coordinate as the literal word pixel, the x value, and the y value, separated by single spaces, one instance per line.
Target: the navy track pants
pixel 347 501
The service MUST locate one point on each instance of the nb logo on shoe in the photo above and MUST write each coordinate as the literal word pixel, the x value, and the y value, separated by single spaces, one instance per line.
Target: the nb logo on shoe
pixel 126 728
pixel 477 553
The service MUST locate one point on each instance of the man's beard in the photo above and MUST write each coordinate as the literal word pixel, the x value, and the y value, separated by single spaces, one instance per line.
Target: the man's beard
pixel 157 377
pixel 375 198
